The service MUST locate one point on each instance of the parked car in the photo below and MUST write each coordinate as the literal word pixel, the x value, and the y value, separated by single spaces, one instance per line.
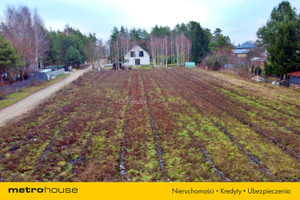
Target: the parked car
pixel 119 65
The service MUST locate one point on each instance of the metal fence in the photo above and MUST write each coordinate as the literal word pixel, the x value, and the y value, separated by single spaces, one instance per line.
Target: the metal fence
pixel 17 86
pixel 33 79
pixel 55 73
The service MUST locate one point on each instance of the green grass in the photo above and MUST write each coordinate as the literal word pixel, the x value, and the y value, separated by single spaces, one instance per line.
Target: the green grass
pixel 142 67
pixel 15 97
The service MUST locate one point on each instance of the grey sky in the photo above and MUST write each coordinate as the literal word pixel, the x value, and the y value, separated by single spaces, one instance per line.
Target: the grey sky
pixel 240 19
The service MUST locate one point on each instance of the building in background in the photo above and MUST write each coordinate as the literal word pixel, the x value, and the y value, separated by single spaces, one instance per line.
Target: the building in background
pixel 137 56
pixel 241 51
pixel 259 62
pixel 294 79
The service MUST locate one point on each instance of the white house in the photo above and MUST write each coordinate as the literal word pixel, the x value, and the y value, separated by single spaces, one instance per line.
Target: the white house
pixel 137 56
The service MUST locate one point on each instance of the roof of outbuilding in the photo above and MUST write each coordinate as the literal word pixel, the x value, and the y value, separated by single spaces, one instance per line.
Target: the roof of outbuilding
pixel 297 74
pixel 240 51
pixel 259 59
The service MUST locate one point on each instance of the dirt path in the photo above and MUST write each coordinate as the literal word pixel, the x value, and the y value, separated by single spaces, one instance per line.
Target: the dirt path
pixel 28 103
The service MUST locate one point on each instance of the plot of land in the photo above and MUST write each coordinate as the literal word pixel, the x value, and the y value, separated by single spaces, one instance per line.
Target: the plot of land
pixel 157 125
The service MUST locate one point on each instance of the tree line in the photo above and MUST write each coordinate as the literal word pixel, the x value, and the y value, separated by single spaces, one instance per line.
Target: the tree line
pixel 280 37
pixel 25 44
pixel 31 46
pixel 71 47
pixel 186 42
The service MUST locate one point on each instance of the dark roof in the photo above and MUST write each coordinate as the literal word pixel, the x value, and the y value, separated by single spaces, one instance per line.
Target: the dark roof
pixel 246 45
pixel 296 74
pixel 139 46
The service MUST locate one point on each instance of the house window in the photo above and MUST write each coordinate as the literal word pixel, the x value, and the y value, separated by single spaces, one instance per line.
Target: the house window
pixel 132 54
pixel 126 61
pixel 141 54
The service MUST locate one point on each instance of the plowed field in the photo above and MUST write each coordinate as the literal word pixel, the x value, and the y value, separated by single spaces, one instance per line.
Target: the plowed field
pixel 157 125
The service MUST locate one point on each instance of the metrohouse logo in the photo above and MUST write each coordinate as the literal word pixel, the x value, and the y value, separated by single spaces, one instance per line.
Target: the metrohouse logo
pixel 43 190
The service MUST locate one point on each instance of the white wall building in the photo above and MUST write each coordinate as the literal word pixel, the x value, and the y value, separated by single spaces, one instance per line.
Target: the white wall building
pixel 137 56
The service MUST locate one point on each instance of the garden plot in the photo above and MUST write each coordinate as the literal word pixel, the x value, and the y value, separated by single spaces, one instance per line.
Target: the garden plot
pixel 157 125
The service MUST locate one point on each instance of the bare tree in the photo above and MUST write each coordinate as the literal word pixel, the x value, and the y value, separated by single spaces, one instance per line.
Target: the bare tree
pixel 41 41
pixel 95 51
pixel 157 50
pixel 165 48
pixel 153 49
pixel 182 48
pixel 18 29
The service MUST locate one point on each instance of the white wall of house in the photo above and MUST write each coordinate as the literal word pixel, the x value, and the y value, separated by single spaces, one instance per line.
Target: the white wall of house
pixel 137 56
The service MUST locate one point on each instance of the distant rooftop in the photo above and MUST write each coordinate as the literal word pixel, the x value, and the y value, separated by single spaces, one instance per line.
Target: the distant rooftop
pixel 246 45
pixel 296 74
pixel 240 51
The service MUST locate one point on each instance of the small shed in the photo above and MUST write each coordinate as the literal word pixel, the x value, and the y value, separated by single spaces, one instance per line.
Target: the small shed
pixel 46 74
pixel 259 62
pixel 294 79
pixel 189 65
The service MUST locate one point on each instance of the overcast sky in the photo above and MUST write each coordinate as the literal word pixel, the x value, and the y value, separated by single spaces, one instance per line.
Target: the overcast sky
pixel 239 19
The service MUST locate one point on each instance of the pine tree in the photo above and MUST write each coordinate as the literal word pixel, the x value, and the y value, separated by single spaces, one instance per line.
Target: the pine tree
pixel 281 37
pixel 73 56
pixel 8 55
pixel 200 42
